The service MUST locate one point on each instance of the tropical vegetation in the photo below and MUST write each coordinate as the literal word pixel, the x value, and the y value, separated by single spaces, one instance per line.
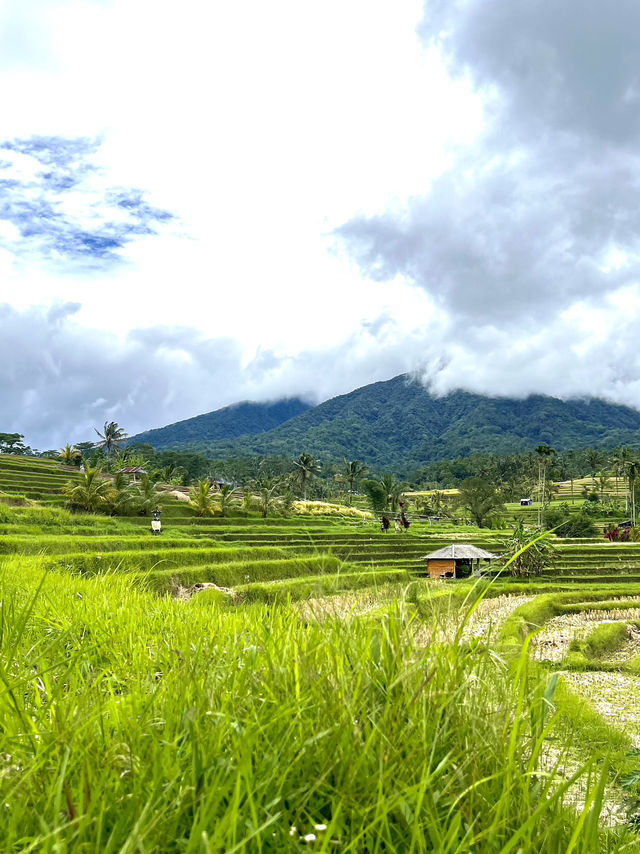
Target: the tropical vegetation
pixel 294 682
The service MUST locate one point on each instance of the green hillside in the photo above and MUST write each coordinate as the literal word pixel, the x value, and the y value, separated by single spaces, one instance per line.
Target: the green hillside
pixel 398 423
pixel 240 419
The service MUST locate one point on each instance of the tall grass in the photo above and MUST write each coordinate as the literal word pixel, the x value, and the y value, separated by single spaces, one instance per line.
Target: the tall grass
pixel 160 727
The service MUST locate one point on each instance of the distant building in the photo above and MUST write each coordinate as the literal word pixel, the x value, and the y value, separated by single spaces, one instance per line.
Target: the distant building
pixel 526 502
pixel 459 560
pixel 217 483
pixel 134 471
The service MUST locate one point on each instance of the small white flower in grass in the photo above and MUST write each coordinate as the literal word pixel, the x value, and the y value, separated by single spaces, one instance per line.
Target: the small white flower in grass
pixel 309 837
pixel 293 830
pixel 320 827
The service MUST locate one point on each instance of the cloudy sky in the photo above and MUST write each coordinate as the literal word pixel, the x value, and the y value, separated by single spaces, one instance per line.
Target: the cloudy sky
pixel 206 202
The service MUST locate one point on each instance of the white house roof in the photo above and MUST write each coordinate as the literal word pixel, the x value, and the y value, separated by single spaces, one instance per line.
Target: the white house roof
pixel 459 551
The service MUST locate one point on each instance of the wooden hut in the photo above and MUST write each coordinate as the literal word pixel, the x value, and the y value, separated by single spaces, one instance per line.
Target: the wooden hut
pixel 134 472
pixel 459 560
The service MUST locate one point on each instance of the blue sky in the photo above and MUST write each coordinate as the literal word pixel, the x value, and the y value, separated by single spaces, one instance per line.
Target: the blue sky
pixel 208 202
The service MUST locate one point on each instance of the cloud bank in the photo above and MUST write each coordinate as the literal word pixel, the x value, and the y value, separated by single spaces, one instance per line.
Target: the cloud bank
pixel 61 379
pixel 528 242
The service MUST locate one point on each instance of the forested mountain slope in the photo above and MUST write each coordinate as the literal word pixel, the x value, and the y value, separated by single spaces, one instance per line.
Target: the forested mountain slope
pixel 398 422
pixel 228 423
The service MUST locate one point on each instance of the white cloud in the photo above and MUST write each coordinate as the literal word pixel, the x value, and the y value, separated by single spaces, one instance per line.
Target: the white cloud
pixel 60 378
pixel 489 199
pixel 528 241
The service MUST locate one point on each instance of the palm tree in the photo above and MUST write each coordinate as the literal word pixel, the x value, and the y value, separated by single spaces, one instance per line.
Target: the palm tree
pixel 569 469
pixel 269 495
pixel 306 468
pixel 533 552
pixel 620 460
pixel 545 453
pixel 112 438
pixel 228 498
pixel 351 473
pixel 122 496
pixel 393 490
pixel 91 493
pixel 633 470
pixel 175 475
pixel 70 456
pixel 148 496
pixel 202 498
pixel 594 461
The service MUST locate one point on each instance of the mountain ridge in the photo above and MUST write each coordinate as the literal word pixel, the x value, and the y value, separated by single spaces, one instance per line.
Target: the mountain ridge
pixel 239 419
pixel 399 422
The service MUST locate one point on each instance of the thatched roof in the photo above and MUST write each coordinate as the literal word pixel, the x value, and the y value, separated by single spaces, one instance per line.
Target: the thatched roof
pixel 459 551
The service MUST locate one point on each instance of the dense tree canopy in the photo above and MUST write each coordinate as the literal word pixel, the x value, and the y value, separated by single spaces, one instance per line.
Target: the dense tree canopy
pixel 480 499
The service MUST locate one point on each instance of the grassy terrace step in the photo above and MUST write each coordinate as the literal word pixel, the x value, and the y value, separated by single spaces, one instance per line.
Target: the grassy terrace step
pixel 597 560
pixel 613 551
pixel 17 481
pixel 100 541
pixel 8 461
pixel 83 531
pixel 591 579
pixel 61 545
pixel 235 573
pixel 315 586
pixel 36 494
pixel 133 561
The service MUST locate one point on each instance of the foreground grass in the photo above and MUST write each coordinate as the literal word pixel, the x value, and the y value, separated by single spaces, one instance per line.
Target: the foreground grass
pixel 134 723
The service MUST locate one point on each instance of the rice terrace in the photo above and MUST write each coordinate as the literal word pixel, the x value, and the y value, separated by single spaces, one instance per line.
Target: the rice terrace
pixel 277 674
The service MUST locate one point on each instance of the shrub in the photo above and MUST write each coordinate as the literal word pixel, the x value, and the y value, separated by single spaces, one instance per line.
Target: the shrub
pixel 578 526
pixel 568 525
pixel 376 494
pixel 604 639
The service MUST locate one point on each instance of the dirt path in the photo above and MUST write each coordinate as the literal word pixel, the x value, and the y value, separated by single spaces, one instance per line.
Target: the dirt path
pixel 552 642
pixel 485 622
pixel 615 696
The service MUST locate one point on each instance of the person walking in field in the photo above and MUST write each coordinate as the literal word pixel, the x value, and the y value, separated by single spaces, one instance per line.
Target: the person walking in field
pixel 156 524
pixel 403 519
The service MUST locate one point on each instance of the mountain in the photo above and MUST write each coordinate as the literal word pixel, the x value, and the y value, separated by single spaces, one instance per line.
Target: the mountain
pixel 398 423
pixel 240 419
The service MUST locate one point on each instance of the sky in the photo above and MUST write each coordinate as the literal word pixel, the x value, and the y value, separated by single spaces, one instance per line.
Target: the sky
pixel 208 202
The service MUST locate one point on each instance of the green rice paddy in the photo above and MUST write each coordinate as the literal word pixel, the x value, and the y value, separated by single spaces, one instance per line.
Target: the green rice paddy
pixel 324 695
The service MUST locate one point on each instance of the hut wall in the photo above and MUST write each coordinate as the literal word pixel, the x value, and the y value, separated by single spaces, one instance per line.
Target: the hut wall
pixel 439 567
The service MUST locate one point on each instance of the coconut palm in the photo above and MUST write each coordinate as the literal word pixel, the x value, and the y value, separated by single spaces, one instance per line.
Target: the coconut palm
pixel 228 498
pixel 530 552
pixel 633 472
pixel 351 472
pixel 545 454
pixel 594 461
pixel 148 496
pixel 70 455
pixel 621 459
pixel 270 495
pixel 174 475
pixel 306 468
pixel 393 489
pixel 92 492
pixel 202 498
pixel 112 438
pixel 122 497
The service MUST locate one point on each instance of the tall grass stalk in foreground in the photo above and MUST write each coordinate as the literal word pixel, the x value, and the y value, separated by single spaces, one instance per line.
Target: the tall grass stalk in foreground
pixel 133 723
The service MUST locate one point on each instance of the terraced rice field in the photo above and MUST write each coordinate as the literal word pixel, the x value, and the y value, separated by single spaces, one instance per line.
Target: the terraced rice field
pixel 322 694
